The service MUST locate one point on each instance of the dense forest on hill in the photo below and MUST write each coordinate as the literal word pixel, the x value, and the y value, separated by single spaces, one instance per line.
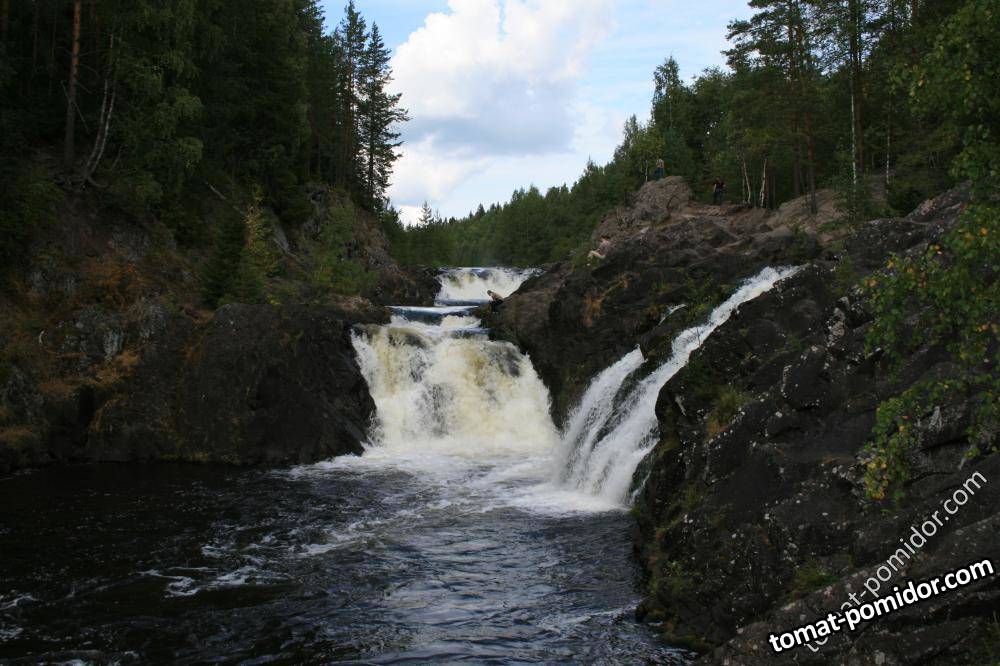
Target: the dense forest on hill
pixel 865 96
pixel 154 108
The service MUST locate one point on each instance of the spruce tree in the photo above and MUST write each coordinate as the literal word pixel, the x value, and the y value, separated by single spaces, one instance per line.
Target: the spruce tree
pixel 380 114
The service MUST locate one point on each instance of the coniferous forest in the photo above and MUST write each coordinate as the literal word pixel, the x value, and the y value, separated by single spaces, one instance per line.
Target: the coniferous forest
pixel 159 105
pixel 887 102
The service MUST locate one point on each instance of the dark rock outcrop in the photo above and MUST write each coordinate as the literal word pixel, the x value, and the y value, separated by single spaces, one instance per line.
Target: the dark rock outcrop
pixel 104 308
pixel 256 384
pixel 766 526
pixel 754 518
pixel 667 250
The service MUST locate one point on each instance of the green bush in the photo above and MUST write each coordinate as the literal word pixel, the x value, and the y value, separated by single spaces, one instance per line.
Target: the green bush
pixel 947 296
pixel 335 270
pixel 29 199
pixel 728 403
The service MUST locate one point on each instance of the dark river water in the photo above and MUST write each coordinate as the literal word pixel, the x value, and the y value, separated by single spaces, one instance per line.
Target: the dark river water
pixel 327 563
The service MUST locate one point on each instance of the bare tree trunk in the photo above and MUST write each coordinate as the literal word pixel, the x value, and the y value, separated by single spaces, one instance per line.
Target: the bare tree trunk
pixel 104 122
pixel 854 141
pixel 4 20
pixel 34 39
pixel 806 64
pixel 763 184
pixel 793 88
pixel 52 47
pixel 74 65
pixel 745 183
pixel 857 91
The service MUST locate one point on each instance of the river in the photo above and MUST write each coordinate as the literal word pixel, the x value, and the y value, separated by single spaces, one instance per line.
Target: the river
pixel 471 530
pixel 446 542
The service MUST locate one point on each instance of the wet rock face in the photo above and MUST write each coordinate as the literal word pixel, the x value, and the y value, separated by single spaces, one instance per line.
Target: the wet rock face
pixel 257 384
pixel 754 516
pixel 666 251
pixel 764 525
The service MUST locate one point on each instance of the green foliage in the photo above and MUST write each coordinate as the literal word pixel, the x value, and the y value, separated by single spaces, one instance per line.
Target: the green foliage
pixel 257 259
pixel 728 403
pixel 243 258
pixel 959 79
pixel 29 199
pixel 777 125
pixel 335 270
pixel 227 252
pixel 845 275
pixel 175 94
pixel 946 296
pixel 809 577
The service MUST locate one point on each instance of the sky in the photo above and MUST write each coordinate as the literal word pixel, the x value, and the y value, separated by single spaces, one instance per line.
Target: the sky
pixel 504 94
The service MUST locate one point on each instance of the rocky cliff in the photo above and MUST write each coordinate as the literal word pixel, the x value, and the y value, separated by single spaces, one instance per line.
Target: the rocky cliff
pixel 754 518
pixel 256 384
pixel 667 251
pixel 109 350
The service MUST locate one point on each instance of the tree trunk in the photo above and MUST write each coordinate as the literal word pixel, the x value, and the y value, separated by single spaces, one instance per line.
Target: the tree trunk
pixel 745 184
pixel 793 87
pixel 807 123
pixel 74 64
pixel 4 20
pixel 763 185
pixel 104 122
pixel 52 47
pixel 857 92
pixel 34 39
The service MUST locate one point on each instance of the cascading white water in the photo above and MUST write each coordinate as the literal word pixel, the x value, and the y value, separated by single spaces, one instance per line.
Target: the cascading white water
pixel 439 395
pixel 470 284
pixel 614 427
pixel 452 403
pixel 446 393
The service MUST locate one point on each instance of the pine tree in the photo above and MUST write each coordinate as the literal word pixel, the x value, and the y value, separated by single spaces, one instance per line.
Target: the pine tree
pixel 774 45
pixel 351 37
pixel 380 113
pixel 426 215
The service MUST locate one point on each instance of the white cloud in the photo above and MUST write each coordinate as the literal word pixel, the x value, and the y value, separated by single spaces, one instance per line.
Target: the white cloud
pixel 487 84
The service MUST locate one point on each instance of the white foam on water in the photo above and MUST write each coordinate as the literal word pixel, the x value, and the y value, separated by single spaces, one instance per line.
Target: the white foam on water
pixel 469 417
pixel 448 323
pixel 615 427
pixel 471 284
pixel 452 398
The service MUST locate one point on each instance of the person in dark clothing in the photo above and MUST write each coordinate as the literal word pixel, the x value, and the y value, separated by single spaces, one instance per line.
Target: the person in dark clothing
pixel 719 192
pixel 496 300
pixel 660 171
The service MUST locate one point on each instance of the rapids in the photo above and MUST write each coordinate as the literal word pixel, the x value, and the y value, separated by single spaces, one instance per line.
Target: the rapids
pixel 471 530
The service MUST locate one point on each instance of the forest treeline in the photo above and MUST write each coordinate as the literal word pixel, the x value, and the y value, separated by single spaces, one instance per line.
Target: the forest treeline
pixel 871 97
pixel 160 105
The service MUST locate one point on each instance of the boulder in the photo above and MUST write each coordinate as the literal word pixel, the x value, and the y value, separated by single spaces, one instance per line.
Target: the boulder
pixel 256 384
pixel 766 525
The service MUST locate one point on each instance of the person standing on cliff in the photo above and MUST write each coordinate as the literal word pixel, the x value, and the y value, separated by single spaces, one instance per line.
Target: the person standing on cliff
pixel 660 171
pixel 496 300
pixel 719 191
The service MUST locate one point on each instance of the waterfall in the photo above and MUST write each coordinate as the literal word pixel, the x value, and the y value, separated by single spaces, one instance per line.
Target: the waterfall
pixel 443 390
pixel 451 402
pixel 461 285
pixel 439 395
pixel 614 427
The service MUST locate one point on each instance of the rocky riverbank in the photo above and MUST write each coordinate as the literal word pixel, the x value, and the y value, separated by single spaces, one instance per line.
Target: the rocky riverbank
pixel 112 353
pixel 754 518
